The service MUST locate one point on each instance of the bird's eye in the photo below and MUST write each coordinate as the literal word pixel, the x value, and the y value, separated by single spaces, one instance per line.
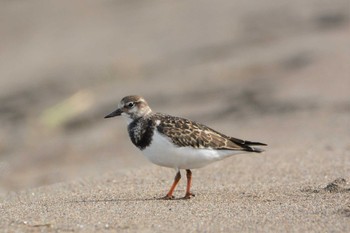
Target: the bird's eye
pixel 130 105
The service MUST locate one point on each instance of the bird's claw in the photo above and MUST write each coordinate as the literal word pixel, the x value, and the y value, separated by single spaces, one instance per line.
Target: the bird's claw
pixel 188 196
pixel 167 197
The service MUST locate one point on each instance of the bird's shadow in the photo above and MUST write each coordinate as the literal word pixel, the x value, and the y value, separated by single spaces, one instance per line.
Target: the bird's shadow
pixel 125 200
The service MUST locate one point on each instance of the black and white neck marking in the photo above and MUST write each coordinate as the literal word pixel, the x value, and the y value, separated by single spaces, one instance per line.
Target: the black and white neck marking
pixel 141 131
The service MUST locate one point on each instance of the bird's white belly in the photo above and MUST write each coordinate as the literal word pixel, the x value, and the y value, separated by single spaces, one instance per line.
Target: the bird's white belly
pixel 164 153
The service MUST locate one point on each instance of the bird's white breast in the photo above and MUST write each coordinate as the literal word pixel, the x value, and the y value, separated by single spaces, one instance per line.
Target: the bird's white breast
pixel 164 153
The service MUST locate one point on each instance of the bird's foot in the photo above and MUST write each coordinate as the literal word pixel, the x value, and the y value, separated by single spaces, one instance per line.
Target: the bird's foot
pixel 188 196
pixel 167 197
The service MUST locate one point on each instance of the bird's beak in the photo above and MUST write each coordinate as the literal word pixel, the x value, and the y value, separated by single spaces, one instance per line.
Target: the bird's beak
pixel 117 112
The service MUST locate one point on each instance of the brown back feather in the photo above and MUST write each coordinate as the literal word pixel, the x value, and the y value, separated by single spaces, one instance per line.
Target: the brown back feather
pixel 184 132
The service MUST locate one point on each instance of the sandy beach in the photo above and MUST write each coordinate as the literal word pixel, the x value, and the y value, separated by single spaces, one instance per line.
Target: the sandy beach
pixel 275 73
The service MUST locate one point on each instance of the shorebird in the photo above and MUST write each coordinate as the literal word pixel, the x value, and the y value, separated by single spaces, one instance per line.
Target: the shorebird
pixel 177 142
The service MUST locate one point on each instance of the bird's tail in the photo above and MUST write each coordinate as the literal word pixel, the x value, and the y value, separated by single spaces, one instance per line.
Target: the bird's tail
pixel 255 149
pixel 248 145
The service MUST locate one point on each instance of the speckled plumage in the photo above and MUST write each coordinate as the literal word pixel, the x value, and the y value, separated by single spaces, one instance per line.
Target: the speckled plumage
pixel 177 142
pixel 183 133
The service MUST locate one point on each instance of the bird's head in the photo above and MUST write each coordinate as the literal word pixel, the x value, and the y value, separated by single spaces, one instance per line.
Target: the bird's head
pixel 131 107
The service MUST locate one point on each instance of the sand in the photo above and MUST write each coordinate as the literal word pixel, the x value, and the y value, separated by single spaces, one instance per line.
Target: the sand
pixel 275 73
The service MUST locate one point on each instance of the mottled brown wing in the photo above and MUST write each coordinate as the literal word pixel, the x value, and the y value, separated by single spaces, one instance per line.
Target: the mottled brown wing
pixel 185 133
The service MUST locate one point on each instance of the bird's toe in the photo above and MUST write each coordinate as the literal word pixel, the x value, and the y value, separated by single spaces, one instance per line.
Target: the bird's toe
pixel 167 197
pixel 188 196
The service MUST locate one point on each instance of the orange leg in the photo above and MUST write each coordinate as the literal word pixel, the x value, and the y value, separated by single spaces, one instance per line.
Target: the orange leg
pixel 189 182
pixel 171 191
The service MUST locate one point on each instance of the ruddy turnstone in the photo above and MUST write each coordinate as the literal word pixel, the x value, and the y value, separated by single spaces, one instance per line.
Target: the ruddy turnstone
pixel 177 142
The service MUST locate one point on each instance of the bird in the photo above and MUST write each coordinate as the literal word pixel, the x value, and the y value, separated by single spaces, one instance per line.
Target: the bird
pixel 177 142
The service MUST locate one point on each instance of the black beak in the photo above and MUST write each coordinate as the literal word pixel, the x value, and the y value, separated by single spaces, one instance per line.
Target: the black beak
pixel 117 112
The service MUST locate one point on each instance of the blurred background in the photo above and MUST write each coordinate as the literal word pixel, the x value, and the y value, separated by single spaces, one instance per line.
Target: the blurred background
pixel 273 71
